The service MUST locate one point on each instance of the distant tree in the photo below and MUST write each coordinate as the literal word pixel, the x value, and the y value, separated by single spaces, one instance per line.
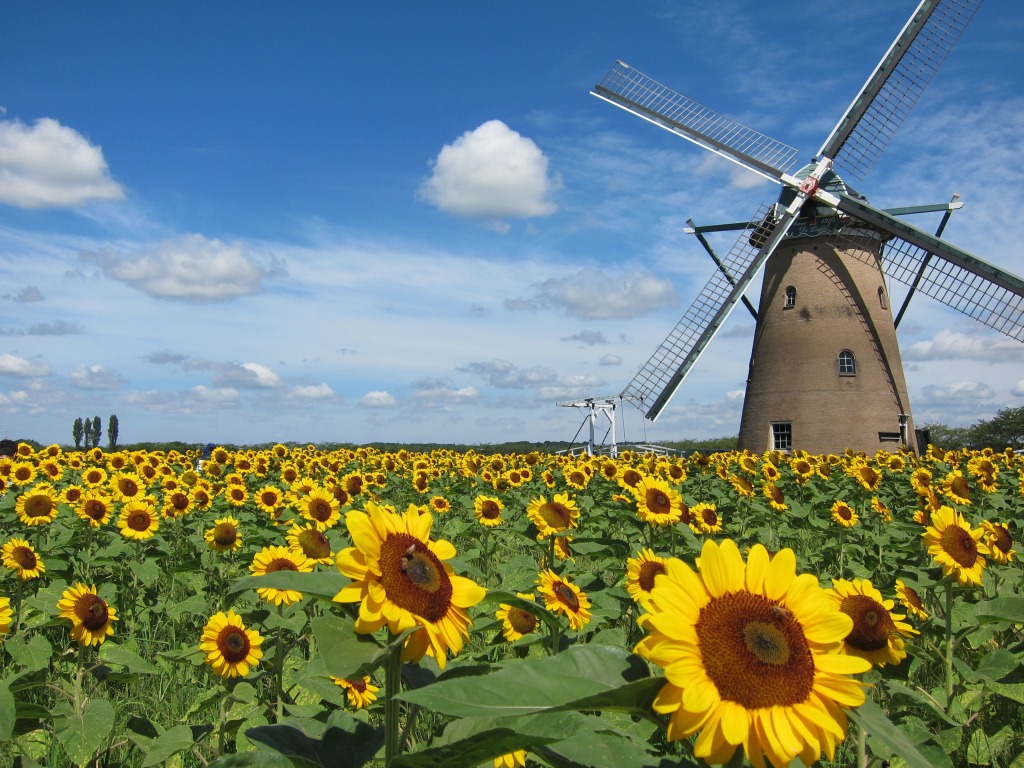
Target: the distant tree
pixel 87 430
pixel 1006 428
pixel 78 432
pixel 97 430
pixel 948 437
pixel 112 431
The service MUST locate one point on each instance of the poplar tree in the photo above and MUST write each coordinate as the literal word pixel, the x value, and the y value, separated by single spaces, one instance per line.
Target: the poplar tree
pixel 112 431
pixel 77 432
pixel 97 430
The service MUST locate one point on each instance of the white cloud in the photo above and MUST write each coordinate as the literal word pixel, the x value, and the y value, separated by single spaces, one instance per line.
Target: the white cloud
pixel 188 268
pixel 953 345
pixel 432 392
pixel 1018 389
pixel 95 377
pixel 592 294
pixel 12 365
pixel 48 165
pixel 587 338
pixel 491 172
pixel 26 295
pixel 957 392
pixel 610 360
pixel 312 392
pixel 378 400
pixel 246 376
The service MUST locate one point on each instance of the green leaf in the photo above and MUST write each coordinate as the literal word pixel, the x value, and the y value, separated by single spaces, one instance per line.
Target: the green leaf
pixel 84 733
pixel 194 604
pixel 997 664
pixel 253 760
pixel 583 677
pixel 339 747
pixel 322 584
pixel 115 654
pixel 345 653
pixel 530 606
pixel 1008 609
pixel 33 655
pixel 897 689
pixel 597 750
pixel 169 743
pixel 889 740
pixel 8 713
pixel 147 571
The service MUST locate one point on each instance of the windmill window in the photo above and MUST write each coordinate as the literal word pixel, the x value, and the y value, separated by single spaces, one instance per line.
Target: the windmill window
pixel 881 296
pixel 790 297
pixel 782 435
pixel 847 365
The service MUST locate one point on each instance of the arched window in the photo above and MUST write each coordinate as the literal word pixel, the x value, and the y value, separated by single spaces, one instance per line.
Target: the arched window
pixel 847 365
pixel 881 296
pixel 790 297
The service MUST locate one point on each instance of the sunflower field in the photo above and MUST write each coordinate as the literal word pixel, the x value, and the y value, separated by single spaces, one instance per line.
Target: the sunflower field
pixel 303 607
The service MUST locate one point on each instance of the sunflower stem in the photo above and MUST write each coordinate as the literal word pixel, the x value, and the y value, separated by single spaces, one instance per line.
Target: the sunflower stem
pixel 279 652
pixel 392 686
pixel 862 747
pixel 949 644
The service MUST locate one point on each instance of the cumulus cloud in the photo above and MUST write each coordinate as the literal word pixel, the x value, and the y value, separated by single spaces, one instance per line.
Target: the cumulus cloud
pixel 19 367
pixel 378 399
pixel 610 360
pixel 245 376
pixel 197 399
pixel 431 392
pixel 545 382
pixel 953 345
pixel 29 293
pixel 48 165
pixel 312 393
pixel 587 338
pixel 188 268
pixel 491 172
pixel 1018 389
pixel 957 392
pixel 58 328
pixel 95 377
pixel 592 294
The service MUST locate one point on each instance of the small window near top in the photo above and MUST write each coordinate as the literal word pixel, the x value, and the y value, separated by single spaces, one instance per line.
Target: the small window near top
pixel 881 296
pixel 782 435
pixel 790 297
pixel 847 365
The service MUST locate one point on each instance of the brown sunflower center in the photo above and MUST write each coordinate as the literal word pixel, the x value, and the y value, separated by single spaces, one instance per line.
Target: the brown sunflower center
pixel 233 644
pixel 490 510
pixel 179 501
pixel 631 478
pixel 72 495
pixel 314 544
pixel 754 651
pixel 522 621
pixel 91 611
pixel 556 515
pixel 319 510
pixel 960 545
pixel 959 488
pixel 414 578
pixel 566 596
pixel 225 534
pixel 268 498
pixel 844 512
pixel 658 502
pixel 139 521
pixel 648 571
pixel 127 487
pixel 25 558
pixel 1001 539
pixel 359 686
pixel 281 564
pixel 872 624
pixel 38 506
pixel 23 473
pixel 709 516
pixel 911 596
pixel 95 509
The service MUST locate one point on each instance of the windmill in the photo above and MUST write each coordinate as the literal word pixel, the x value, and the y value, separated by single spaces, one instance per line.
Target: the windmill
pixel 825 369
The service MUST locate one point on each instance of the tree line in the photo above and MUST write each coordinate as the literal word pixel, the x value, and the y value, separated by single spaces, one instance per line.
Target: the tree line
pixel 87 432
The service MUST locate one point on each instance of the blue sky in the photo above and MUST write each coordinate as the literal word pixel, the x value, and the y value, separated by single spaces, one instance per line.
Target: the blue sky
pixel 251 222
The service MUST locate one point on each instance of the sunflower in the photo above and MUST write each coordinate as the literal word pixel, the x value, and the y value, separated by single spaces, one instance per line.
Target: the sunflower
pixel 19 556
pixel 312 542
pixel 742 486
pixel 955 546
pixel 320 507
pixel 37 505
pixel 236 495
pixel 515 759
pixel 487 510
pixel 230 648
pixel 224 536
pixel 440 504
pixel 878 633
pixel 6 614
pixel 657 503
pixel 138 520
pixel 21 473
pixel 400 579
pixel 641 572
pixel 921 481
pixel 91 617
pixel 883 511
pixel 803 469
pixel 956 489
pixel 361 693
pixel 911 601
pixel 563 550
pixel 750 656
pixel 516 621
pixel 71 494
pixel 277 558
pixel 629 478
pixel 564 597
pixel 705 518
pixel 559 514
pixel 867 476
pixel 999 540
pixel 843 514
pixel 127 486
pixel 776 498
pixel 95 507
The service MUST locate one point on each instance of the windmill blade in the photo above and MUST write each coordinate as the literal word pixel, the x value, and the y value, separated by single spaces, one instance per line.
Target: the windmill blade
pixel 637 93
pixel 655 383
pixel 893 88
pixel 948 274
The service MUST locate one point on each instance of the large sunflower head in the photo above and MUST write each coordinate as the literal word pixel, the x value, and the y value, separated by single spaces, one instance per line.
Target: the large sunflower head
pixel 276 558
pixel 320 507
pixel 515 621
pixel 559 514
pixel 750 652
pixel 231 649
pixel 19 556
pixel 706 518
pixel 878 633
pixel 956 488
pixel 955 546
pixel 999 540
pixel 126 486
pixel 37 505
pixel 844 515
pixel 224 536
pixel 641 572
pixel 487 510
pixel 657 503
pixel 95 507
pixel 400 580
pixel 562 596
pixel 312 542
pixel 91 618
pixel 138 520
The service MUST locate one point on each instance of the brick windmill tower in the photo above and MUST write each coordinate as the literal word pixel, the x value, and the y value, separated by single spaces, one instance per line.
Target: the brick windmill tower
pixel 825 370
